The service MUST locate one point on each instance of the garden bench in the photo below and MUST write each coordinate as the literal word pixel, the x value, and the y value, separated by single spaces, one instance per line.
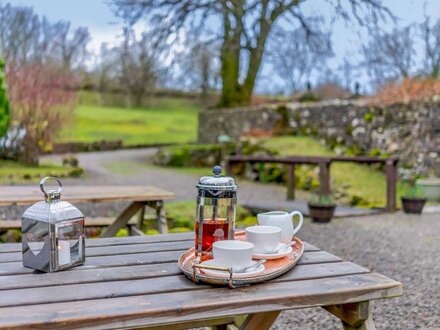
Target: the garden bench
pixel 324 171
pixel 139 196
pixel 135 282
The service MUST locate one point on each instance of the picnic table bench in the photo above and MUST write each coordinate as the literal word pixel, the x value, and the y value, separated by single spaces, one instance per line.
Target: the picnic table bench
pixel 139 196
pixel 324 163
pixel 135 282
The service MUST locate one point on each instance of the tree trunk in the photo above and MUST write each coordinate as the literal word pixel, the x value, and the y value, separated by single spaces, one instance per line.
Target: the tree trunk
pixel 31 153
pixel 235 93
pixel 232 90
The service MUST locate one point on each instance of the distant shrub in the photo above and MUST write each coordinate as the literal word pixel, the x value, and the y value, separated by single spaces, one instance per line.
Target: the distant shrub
pixel 308 97
pixel 205 155
pixel 42 98
pixel 4 104
pixel 410 89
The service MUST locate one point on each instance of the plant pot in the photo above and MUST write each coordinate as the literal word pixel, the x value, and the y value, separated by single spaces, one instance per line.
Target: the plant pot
pixel 431 188
pixel 321 213
pixel 413 204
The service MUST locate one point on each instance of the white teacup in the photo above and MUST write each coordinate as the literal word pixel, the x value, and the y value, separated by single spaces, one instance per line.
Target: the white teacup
pixel 264 238
pixel 233 253
pixel 282 220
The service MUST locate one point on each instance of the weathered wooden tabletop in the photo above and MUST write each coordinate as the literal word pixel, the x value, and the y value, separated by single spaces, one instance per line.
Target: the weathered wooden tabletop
pixel 26 195
pixel 136 282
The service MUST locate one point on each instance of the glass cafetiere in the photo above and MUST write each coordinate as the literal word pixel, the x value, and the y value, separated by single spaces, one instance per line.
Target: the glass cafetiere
pixel 215 218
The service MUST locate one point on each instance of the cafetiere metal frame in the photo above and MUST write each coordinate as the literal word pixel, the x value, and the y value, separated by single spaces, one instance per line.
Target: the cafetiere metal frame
pixel 215 202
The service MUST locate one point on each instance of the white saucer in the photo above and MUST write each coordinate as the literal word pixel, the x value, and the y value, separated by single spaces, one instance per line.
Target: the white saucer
pixel 268 256
pixel 219 273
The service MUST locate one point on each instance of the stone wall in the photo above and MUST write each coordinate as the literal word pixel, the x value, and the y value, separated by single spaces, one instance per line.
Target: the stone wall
pixel 408 130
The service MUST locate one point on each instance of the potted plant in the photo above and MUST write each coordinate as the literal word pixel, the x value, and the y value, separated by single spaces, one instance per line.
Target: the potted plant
pixel 413 199
pixel 431 188
pixel 321 208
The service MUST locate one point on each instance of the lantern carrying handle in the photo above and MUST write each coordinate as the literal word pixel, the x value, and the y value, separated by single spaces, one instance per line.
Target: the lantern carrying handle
pixel 47 194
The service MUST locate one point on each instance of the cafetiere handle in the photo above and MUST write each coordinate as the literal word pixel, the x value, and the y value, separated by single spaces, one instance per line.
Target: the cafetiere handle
pixel 43 181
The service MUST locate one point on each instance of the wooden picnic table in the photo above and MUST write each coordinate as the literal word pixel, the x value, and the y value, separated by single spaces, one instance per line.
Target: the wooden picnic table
pixel 135 282
pixel 139 196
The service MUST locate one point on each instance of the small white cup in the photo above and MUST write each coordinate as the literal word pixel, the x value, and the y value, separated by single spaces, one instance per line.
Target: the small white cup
pixel 264 238
pixel 233 253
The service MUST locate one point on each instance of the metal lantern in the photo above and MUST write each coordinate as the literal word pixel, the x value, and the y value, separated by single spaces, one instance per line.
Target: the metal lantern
pixel 215 218
pixel 52 233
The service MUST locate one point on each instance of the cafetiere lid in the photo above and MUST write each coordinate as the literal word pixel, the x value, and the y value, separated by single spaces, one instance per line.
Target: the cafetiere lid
pixel 217 181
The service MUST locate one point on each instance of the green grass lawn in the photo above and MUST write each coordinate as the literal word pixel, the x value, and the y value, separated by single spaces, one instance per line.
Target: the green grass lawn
pixel 14 172
pixel 167 120
pixel 358 180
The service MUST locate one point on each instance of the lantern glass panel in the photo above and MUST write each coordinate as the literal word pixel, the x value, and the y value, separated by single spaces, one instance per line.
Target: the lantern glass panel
pixel 70 246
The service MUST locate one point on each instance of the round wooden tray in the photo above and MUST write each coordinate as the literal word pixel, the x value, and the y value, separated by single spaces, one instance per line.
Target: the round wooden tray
pixel 273 268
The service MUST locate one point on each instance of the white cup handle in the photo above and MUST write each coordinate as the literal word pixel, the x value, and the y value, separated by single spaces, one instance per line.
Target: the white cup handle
pixel 300 223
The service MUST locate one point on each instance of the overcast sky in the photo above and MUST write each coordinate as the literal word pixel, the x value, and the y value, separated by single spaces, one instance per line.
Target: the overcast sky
pixel 105 27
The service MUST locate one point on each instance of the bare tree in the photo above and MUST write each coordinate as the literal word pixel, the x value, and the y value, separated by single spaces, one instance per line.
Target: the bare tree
pixel 390 56
pixel 431 39
pixel 348 72
pixel 245 24
pixel 19 33
pixel 202 56
pixel 26 38
pixel 295 55
pixel 105 68
pixel 197 66
pixel 137 65
pixel 71 46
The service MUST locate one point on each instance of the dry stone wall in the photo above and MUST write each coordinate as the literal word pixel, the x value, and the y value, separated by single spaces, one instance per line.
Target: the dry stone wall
pixel 408 130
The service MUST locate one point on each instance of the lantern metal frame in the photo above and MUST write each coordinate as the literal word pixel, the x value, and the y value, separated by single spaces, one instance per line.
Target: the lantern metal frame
pixel 41 232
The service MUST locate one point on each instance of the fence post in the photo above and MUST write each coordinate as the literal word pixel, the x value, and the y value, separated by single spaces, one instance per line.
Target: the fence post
pixel 391 174
pixel 324 178
pixel 291 182
pixel 228 166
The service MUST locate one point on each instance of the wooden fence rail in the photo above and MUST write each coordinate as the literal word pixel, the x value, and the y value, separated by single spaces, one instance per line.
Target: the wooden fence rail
pixel 324 164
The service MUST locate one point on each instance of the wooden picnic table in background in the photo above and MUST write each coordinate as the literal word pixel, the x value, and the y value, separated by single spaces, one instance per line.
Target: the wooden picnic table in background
pixel 135 282
pixel 324 163
pixel 139 196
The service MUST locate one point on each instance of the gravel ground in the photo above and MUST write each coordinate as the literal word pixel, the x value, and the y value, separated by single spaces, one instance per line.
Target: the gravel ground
pixel 403 247
pixel 400 246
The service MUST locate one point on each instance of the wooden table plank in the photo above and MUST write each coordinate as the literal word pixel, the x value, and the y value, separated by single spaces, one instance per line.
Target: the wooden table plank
pixel 11 268
pixel 103 289
pixel 26 195
pixel 302 271
pixel 132 240
pixel 110 241
pixel 115 250
pixel 215 301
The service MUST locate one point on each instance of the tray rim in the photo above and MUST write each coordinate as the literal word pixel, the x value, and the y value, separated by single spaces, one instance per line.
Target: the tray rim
pixel 196 276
